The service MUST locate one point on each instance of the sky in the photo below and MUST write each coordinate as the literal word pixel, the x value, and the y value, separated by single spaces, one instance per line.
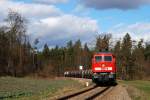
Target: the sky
pixel 56 22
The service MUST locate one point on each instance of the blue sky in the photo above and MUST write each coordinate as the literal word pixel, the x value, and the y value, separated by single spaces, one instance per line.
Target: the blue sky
pixel 57 21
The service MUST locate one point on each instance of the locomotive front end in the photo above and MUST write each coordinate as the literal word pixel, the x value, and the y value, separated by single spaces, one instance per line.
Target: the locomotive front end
pixel 104 67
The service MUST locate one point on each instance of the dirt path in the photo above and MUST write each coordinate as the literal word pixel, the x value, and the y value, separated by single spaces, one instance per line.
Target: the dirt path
pixel 118 93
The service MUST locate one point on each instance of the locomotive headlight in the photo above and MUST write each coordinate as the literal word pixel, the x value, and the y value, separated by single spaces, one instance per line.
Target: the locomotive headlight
pixel 109 68
pixel 111 75
pixel 95 75
pixel 97 68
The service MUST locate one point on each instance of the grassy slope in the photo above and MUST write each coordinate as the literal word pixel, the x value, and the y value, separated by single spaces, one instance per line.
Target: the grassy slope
pixel 138 90
pixel 27 88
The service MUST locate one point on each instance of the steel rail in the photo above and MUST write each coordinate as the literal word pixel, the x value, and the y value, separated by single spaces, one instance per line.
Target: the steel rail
pixel 88 94
pixel 77 92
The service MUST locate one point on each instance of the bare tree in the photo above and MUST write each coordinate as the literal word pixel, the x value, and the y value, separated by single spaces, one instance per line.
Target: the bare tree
pixel 103 42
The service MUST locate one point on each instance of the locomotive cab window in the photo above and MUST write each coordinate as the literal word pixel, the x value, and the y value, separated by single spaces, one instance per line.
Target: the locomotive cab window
pixel 98 58
pixel 107 58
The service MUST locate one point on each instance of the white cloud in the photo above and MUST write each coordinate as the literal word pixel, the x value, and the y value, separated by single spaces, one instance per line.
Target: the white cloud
pixel 65 27
pixel 29 10
pixel 50 1
pixel 51 25
pixel 137 30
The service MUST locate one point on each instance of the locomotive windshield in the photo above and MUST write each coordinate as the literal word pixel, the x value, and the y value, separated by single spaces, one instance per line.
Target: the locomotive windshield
pixel 98 58
pixel 107 58
pixel 103 58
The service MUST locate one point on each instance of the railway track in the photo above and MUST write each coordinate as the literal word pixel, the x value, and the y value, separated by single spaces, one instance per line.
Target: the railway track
pixel 90 93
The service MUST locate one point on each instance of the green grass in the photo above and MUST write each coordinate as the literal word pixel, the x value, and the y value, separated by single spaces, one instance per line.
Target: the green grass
pixel 142 89
pixel 29 89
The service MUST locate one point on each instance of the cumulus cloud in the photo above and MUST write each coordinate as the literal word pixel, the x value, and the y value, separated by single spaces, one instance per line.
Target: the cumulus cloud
pixel 28 10
pixel 58 30
pixel 50 1
pixel 50 24
pixel 137 30
pixel 114 4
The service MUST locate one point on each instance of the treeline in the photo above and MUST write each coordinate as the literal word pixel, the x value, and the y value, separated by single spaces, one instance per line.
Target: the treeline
pixel 15 49
pixel 57 60
pixel 19 58
pixel 133 58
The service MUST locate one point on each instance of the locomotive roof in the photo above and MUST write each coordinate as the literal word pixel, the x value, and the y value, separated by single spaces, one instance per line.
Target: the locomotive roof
pixel 104 53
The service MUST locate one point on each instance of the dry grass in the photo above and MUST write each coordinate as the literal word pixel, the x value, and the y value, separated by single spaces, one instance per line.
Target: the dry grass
pixel 34 89
pixel 138 90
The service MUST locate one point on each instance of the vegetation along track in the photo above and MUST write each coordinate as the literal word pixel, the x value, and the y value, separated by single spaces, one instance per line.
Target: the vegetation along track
pixel 88 93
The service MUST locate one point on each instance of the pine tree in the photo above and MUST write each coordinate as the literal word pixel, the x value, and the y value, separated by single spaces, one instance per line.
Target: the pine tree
pixel 69 55
pixel 139 60
pixel 147 59
pixel 46 52
pixel 86 57
pixel 77 54
pixel 126 56
pixel 117 52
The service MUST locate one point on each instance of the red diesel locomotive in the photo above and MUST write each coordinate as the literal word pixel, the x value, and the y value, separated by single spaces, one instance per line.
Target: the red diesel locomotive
pixel 103 67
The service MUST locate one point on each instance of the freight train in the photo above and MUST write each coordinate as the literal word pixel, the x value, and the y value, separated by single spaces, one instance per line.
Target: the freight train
pixel 104 67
